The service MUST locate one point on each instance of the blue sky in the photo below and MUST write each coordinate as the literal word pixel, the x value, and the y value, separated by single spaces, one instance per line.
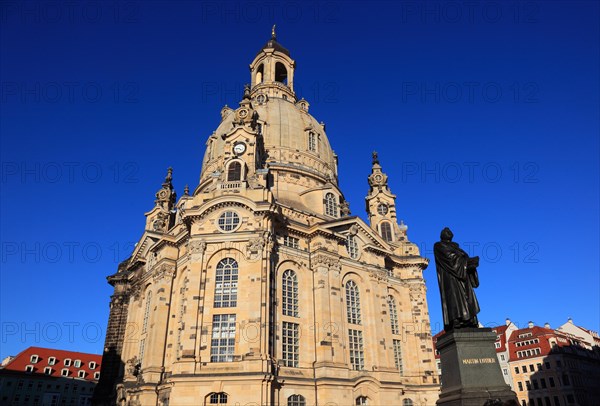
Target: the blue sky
pixel 485 117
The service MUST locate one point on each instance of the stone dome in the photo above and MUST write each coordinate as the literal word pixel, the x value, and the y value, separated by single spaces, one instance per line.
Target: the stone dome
pixel 286 129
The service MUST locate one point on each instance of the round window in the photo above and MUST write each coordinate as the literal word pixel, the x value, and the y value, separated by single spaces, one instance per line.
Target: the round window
pixel 382 209
pixel 229 221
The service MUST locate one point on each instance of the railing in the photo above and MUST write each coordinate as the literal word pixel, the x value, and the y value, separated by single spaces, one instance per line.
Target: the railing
pixel 232 185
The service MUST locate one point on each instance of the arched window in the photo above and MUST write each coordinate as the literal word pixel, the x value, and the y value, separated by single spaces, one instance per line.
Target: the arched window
pixel 147 311
pixel 352 302
pixel 362 400
pixel 281 73
pixel 393 314
pixel 352 246
pixel 312 142
pixel 218 398
pixel 226 283
pixel 234 171
pixel 289 293
pixel 260 73
pixel 331 206
pixel 296 400
pixel 407 402
pixel 386 231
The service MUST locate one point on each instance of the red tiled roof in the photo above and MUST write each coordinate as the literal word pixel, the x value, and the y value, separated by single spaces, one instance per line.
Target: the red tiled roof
pixel 542 334
pixel 20 362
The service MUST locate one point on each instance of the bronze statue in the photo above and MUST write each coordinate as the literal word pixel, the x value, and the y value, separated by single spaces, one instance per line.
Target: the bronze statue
pixel 457 278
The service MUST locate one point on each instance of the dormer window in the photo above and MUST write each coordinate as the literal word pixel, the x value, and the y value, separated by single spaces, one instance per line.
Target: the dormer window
pixel 77 363
pixel 51 360
pixel 96 375
pixel 331 205
pixel 48 371
pixel 81 374
pixel 312 142
pixel 34 359
pixel 67 362
pixel 29 369
pixel 92 365
pixel 64 372
pixel 234 171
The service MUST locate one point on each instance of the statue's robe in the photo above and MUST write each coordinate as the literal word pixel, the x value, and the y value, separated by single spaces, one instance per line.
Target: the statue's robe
pixel 459 303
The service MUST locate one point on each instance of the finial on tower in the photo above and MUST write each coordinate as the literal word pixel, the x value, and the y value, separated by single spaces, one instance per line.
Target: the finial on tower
pixel 186 190
pixel 169 177
pixel 375 158
pixel 273 36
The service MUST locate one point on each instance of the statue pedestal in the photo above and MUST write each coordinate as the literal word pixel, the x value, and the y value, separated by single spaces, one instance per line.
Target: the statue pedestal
pixel 471 374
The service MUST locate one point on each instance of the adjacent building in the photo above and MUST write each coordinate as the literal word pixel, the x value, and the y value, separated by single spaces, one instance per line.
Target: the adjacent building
pixel 48 377
pixel 258 286
pixel 547 367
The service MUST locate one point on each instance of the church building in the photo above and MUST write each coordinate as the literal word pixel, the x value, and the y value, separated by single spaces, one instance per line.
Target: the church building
pixel 258 287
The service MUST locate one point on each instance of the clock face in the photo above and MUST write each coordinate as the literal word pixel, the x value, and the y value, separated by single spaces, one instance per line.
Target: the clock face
pixel 239 149
pixel 382 209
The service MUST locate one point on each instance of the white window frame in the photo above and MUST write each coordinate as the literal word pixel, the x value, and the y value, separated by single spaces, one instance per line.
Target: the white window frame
pixel 289 293
pixel 229 221
pixel 51 360
pixel 353 311
pixel 64 372
pixel 331 205
pixel 47 371
pixel 97 375
pixel 92 364
pixel 77 363
pixel 356 347
pixel 34 358
pixel 67 362
pixel 391 302
pixel 28 369
pixel 81 374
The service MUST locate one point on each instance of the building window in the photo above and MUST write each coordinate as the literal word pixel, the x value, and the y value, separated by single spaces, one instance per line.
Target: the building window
pixel 77 363
pixel 352 303
pixel 497 344
pixel 535 384
pixel 51 361
pixel 64 372
pixel 234 171
pixel 28 369
pixel 312 142
pixel 398 354
pixel 393 314
pixel 382 209
pixel 524 368
pixel 144 321
pixel 142 349
pixel 556 401
pixel 357 356
pixel 503 358
pixel 289 293
pixel 551 381
pixel 543 383
pixel 223 338
pixel 407 402
pixel 331 205
pixel 362 400
pixel 352 246
pixel 218 398
pixel 505 371
pixel 531 369
pixel 226 283
pixel 48 371
pixel 34 359
pixel 386 231
pixel 81 374
pixel 296 400
pixel 520 384
pixel 96 375
pixel 565 379
pixel 547 365
pixel 291 242
pixel 516 370
pixel 528 385
pixel 67 362
pixel 229 221
pixel 290 341
pixel 92 365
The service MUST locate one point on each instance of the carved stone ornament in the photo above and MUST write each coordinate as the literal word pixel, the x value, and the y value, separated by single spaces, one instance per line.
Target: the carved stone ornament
pixel 163 272
pixel 332 264
pixel 254 247
pixel 132 366
pixel 196 246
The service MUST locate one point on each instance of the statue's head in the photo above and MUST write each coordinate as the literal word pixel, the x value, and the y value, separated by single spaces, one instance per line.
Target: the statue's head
pixel 446 234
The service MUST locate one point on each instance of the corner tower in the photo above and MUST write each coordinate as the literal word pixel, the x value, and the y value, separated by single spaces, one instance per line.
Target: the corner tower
pixel 258 287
